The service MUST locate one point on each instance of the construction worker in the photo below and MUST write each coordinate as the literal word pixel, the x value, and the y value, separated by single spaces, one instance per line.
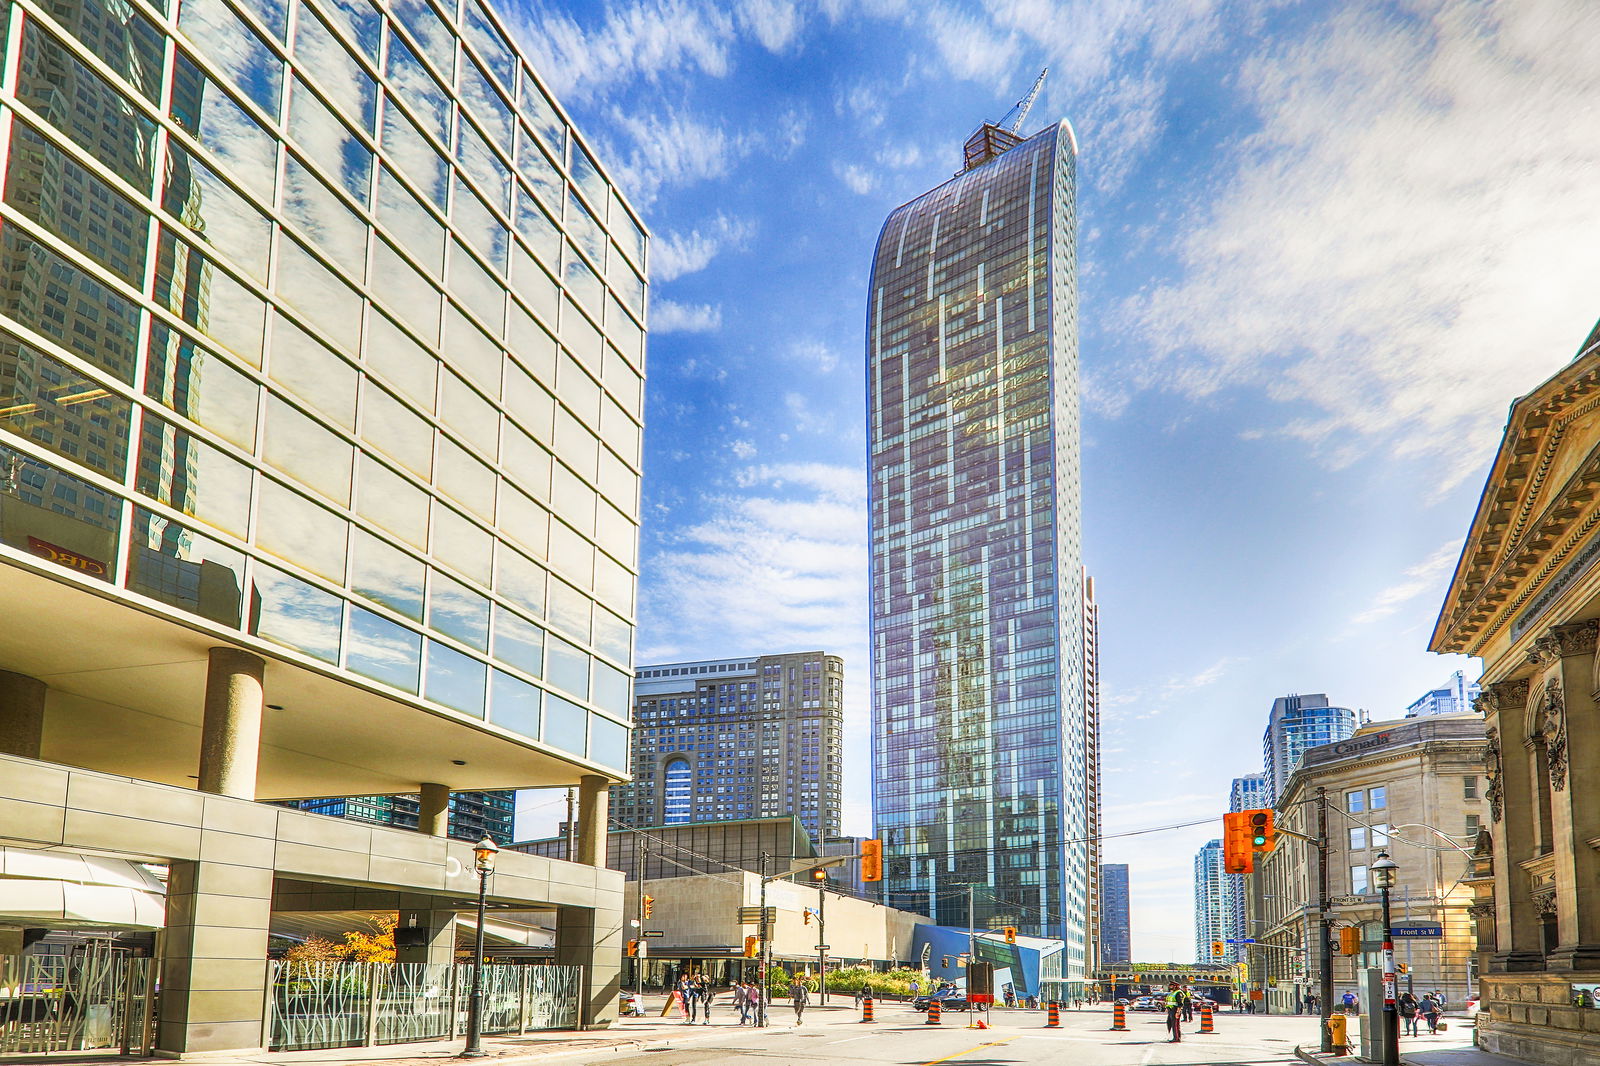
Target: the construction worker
pixel 1174 1006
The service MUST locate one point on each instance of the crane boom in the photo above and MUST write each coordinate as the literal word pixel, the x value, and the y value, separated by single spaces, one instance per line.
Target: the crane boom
pixel 1019 111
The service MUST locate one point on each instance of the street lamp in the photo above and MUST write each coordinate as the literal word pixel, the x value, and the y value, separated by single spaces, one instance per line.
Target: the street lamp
pixel 483 853
pixel 1383 875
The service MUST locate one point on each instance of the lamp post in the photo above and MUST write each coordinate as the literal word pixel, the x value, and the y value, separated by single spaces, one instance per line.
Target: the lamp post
pixel 1383 875
pixel 483 853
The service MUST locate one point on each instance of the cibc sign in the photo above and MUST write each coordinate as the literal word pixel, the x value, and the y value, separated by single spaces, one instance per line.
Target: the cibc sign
pixel 68 558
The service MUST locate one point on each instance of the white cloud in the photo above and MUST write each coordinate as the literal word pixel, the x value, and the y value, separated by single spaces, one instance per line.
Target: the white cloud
pixel 1426 576
pixel 667 316
pixel 645 39
pixel 670 147
pixel 775 23
pixel 859 179
pixel 744 449
pixel 675 254
pixel 815 355
pixel 1408 240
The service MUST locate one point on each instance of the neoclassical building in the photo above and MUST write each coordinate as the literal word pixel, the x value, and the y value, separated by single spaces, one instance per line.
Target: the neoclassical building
pixel 1526 599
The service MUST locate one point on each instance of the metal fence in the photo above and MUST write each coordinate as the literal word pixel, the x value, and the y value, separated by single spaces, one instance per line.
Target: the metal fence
pixel 97 997
pixel 355 1004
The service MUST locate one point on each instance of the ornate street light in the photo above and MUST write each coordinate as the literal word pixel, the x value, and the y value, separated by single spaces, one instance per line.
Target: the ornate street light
pixel 483 853
pixel 1383 875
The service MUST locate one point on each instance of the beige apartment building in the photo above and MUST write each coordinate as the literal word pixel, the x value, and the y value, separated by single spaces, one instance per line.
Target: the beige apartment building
pixel 1414 788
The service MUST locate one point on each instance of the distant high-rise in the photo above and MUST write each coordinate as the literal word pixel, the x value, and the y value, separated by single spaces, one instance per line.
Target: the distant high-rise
pixel 1116 930
pixel 1455 696
pixel 980 730
pixel 755 737
pixel 1091 760
pixel 473 815
pixel 1248 793
pixel 1295 724
pixel 1210 901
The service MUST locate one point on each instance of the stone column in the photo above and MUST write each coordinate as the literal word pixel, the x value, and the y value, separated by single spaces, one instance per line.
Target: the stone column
pixel 433 816
pixel 1570 728
pixel 230 738
pixel 21 715
pixel 593 940
pixel 214 973
pixel 425 935
pixel 594 799
pixel 1511 806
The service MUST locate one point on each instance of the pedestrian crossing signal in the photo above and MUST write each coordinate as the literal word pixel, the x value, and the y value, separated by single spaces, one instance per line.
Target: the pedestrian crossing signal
pixel 649 905
pixel 872 860
pixel 1349 940
pixel 1238 857
pixel 808 917
pixel 752 945
pixel 1218 948
pixel 1011 934
pixel 633 949
pixel 1404 968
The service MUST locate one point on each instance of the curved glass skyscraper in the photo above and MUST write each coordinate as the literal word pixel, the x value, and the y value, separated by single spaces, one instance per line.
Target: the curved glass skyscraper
pixel 981 756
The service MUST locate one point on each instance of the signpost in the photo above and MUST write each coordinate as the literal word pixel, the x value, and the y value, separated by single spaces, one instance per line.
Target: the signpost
pixel 1416 929
pixel 1245 940
pixel 654 932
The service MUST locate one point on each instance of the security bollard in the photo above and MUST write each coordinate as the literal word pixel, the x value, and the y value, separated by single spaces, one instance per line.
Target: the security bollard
pixel 1053 1019
pixel 1206 1023
pixel 1119 1018
pixel 933 1013
pixel 866 1009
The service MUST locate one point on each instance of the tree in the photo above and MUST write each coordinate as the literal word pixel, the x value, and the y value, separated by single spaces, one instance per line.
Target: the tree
pixel 374 946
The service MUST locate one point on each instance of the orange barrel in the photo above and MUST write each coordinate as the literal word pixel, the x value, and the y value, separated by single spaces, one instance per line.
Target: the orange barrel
pixel 1206 1024
pixel 1053 1020
pixel 866 1009
pixel 1119 1018
pixel 933 1013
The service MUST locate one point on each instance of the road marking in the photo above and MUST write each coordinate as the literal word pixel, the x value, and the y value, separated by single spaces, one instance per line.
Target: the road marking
pixel 848 1039
pixel 957 1055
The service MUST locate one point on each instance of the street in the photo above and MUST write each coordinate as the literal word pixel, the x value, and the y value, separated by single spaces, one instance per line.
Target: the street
pixel 902 1037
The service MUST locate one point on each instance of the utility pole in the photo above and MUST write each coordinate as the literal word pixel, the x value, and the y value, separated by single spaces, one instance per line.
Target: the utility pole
pixel 572 824
pixel 1325 912
pixel 766 950
pixel 972 950
pixel 822 939
pixel 638 961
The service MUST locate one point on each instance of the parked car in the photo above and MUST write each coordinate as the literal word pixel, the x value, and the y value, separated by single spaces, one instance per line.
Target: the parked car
pixel 1150 1003
pixel 949 999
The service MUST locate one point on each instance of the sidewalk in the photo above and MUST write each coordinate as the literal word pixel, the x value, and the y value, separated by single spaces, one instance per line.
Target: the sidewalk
pixel 1451 1048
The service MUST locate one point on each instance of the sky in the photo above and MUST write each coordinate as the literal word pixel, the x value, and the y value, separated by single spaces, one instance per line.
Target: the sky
pixel 1323 246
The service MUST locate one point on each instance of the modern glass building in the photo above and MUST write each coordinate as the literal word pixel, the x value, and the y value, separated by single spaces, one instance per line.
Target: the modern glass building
pixel 1116 933
pixel 1295 724
pixel 471 816
pixel 754 737
pixel 323 331
pixel 1210 902
pixel 980 752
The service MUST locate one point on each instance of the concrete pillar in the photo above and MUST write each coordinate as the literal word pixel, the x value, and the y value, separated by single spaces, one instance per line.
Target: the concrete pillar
pixel 21 715
pixel 594 799
pixel 592 940
pixel 1573 750
pixel 214 971
pixel 230 738
pixel 1517 933
pixel 433 818
pixel 425 935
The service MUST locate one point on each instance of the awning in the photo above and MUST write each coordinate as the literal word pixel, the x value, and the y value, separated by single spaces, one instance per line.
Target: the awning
pixel 67 890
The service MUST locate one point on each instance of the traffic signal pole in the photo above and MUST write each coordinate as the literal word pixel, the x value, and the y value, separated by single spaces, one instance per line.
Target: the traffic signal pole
pixel 822 951
pixel 638 961
pixel 1325 911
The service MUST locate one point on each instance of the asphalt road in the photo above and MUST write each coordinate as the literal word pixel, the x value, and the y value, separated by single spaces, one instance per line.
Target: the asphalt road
pixel 901 1037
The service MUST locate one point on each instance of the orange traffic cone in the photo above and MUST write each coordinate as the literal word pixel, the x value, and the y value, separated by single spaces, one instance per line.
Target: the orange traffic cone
pixel 1119 1018
pixel 1053 1018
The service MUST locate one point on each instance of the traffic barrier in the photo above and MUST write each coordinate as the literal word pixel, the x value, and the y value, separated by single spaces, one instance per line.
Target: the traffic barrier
pixel 933 1013
pixel 1053 1018
pixel 1119 1018
pixel 866 1009
pixel 1206 1023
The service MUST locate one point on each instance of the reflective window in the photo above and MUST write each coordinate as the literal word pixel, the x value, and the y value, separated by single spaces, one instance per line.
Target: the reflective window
pixel 570 553
pixel 1377 798
pixel 580 337
pixel 123 39
pixel 313 372
pixel 348 84
pixel 522 582
pixel 616 534
pixel 455 680
pixel 227 130
pixel 678 788
pixel 541 114
pixel 583 283
pixel 576 445
pixel 424 95
pixel 591 239
pixel 386 575
pixel 410 223
pixel 469 415
pixel 461 545
pixel 477 224
pixel 68 306
pixel 480 164
pixel 627 233
pixel 564 724
pixel 383 650
pixel 201 386
pixel 210 299
pixel 522 520
pixel 620 484
pixel 472 352
pixel 527 462
pixel 486 105
pixel 405 363
pixel 611 689
pixel 231 44
pixel 189 475
pixel 457 611
pixel 388 500
pixel 534 284
pixel 465 480
pixel 407 293
pixel 397 431
pixel 359 21
pixel 538 230
pixel 219 216
pixel 50 403
pixel 515 705
pixel 295 613
pixel 613 584
pixel 339 232
pixel 185 569
pixel 567 667
pixel 430 32
pixel 613 636
pixel 330 304
pixel 84 106
pixel 308 452
pixel 479 292
pixel 608 742
pixel 490 44
pixel 48 186
pixel 63 519
pixel 327 139
pixel 292 527
pixel 586 175
pixel 569 610
pixel 518 642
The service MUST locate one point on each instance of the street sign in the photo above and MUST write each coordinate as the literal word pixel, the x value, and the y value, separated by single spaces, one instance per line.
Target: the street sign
pixel 824 947
pixel 1347 901
pixel 752 915
pixel 1415 929
pixel 654 932
pixel 1247 940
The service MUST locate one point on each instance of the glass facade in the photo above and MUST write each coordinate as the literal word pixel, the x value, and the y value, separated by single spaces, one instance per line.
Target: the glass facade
pixel 320 325
pixel 980 753
pixel 1295 724
pixel 1116 930
pixel 1210 903
pixel 473 815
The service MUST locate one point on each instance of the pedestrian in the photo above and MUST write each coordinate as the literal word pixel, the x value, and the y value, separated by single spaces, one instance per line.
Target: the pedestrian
pixel 1409 1009
pixel 1430 1013
pixel 1174 1013
pixel 741 1002
pixel 1349 1002
pixel 1313 1004
pixel 799 996
pixel 1186 1001
pixel 708 993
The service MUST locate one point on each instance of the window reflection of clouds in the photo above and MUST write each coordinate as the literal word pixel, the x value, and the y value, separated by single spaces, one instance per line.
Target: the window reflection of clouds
pixel 189 475
pixel 358 19
pixel 201 386
pixel 569 610
pixel 296 614
pixel 397 431
pixel 533 284
pixel 457 611
pixel 539 172
pixel 522 520
pixel 351 88
pixel 198 197
pixel 465 480
pixel 385 574
pixel 469 415
pixel 405 291
pixel 455 680
pixel 518 642
pixel 314 456
pixel 319 294
pixel 216 120
pixel 210 299
pixel 383 650
pixel 477 289
pixel 494 49
pixel 608 741
pixel 329 140
pixel 429 31
pixel 313 372
pixel 461 545
pixel 488 108
pixel 542 115
pixel 567 667
pixel 515 705
pixel 418 88
pixel 564 724
pixel 404 217
pixel 388 500
pixel 483 166
pixel 408 365
pixel 292 527
pixel 225 39
pixel 471 351
pixel 478 225
pixel 613 636
pixel 521 581
pixel 339 232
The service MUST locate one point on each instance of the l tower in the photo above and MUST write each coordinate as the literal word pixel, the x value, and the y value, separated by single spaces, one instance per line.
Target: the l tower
pixel 982 754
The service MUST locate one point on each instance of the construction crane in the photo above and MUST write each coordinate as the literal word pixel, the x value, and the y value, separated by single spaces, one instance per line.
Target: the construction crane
pixel 1019 111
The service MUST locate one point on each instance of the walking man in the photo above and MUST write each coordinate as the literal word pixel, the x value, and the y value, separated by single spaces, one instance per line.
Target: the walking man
pixel 799 996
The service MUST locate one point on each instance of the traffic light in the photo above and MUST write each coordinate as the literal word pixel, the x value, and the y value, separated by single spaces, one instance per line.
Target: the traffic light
pixel 872 860
pixel 1237 855
pixel 1349 940
pixel 1011 934
pixel 807 914
pixel 944 961
pixel 820 875
pixel 649 905
pixel 1404 968
pixel 752 946
pixel 1218 948
pixel 1263 834
pixel 633 949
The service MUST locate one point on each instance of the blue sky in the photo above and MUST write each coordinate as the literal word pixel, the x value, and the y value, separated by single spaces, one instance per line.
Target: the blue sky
pixel 1323 246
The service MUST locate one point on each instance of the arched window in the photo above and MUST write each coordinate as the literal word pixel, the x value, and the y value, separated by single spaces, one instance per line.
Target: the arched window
pixel 677 790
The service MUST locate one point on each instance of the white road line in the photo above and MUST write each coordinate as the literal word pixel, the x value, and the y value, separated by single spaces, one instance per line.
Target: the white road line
pixel 848 1039
pixel 1149 1053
